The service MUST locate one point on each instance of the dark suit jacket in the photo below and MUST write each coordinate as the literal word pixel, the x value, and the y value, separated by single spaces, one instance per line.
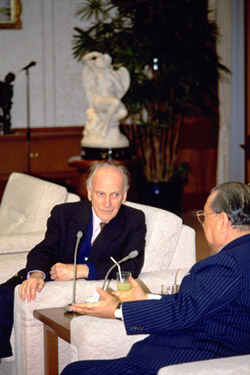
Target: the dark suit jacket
pixel 125 232
pixel 208 318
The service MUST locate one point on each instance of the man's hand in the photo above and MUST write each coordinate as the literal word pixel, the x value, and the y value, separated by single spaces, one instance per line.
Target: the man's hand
pixel 65 272
pixel 29 287
pixel 103 309
pixel 136 293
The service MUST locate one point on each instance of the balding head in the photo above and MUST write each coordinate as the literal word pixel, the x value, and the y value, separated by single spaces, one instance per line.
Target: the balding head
pixel 107 187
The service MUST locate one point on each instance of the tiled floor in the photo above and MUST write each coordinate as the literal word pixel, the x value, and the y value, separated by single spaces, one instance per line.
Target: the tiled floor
pixel 202 248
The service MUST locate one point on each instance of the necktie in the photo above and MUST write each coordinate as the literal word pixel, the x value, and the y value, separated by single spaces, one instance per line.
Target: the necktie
pixel 102 224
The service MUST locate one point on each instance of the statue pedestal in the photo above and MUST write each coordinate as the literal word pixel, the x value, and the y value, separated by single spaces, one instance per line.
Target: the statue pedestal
pixel 122 153
pixel 134 166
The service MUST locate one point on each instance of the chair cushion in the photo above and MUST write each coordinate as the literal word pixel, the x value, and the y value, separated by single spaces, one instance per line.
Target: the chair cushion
pixel 27 202
pixel 11 263
pixel 19 242
pixel 239 365
pixel 163 230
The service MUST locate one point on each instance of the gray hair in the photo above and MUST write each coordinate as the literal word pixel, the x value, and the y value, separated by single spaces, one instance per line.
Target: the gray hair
pixel 233 198
pixel 97 165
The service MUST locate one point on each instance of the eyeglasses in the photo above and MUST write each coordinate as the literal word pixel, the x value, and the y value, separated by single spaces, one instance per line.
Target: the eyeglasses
pixel 201 215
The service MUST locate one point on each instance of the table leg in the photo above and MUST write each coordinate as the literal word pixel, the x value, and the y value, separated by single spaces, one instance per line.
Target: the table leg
pixel 50 351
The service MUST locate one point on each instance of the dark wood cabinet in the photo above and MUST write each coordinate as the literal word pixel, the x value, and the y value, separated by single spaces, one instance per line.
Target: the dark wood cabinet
pixel 49 150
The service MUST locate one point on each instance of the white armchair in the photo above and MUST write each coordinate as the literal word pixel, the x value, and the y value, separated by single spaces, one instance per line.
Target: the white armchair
pixel 169 245
pixel 25 208
pixel 87 332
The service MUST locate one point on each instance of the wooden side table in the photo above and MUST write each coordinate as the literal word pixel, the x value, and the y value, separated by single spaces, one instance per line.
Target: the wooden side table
pixel 134 166
pixel 56 324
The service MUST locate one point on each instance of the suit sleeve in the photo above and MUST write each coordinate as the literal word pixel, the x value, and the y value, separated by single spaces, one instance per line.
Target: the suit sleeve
pixel 209 288
pixel 46 253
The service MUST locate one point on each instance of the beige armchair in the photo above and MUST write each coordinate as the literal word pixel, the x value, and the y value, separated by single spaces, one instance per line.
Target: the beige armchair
pixel 169 245
pixel 87 333
pixel 25 208
pixel 93 338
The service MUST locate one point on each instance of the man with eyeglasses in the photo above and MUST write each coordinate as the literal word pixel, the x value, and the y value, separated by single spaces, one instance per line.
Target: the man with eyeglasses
pixel 210 315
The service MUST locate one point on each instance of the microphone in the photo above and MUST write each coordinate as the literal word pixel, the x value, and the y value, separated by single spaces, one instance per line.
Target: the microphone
pixel 78 238
pixel 96 296
pixel 33 63
pixel 131 255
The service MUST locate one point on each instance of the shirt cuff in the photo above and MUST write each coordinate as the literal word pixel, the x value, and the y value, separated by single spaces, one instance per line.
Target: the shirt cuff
pixel 154 296
pixel 30 272
pixel 119 314
pixel 92 271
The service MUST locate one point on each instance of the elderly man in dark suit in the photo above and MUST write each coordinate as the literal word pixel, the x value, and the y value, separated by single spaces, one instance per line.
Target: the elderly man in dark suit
pixel 52 259
pixel 210 315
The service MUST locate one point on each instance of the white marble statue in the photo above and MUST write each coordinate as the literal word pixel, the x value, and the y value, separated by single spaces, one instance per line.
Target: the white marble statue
pixel 104 88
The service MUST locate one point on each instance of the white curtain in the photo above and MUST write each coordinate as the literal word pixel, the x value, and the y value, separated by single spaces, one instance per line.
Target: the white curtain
pixel 221 13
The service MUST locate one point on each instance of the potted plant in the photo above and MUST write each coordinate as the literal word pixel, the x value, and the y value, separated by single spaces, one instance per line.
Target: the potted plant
pixel 168 46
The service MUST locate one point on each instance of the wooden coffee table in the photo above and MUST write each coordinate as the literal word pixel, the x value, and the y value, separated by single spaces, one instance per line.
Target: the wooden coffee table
pixel 56 324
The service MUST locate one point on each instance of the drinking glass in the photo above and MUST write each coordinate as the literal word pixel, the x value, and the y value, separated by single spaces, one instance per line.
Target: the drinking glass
pixel 169 288
pixel 122 282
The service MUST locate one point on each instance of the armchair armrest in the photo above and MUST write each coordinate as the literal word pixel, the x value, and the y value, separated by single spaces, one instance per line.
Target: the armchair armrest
pixel 10 264
pixel 21 242
pixel 230 366
pixel 55 294
pixel 29 331
pixel 95 338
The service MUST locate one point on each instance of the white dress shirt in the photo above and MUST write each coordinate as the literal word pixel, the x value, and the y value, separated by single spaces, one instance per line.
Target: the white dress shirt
pixel 96 226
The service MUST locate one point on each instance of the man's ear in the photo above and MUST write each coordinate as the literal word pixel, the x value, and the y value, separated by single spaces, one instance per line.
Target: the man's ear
pixel 89 194
pixel 124 197
pixel 224 221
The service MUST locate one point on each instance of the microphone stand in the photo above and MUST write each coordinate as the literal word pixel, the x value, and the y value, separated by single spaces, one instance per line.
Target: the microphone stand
pixel 96 296
pixel 26 68
pixel 28 118
pixel 79 235
pixel 131 255
pixel 106 276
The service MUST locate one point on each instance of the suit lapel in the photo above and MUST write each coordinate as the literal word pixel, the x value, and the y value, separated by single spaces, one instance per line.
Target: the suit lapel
pixel 79 221
pixel 110 232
